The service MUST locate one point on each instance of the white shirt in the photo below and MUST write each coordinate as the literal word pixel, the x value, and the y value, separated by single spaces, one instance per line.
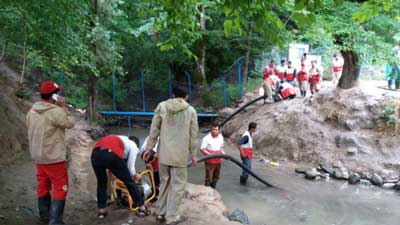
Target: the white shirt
pixel 211 145
pixel 338 62
pixel 143 148
pixel 130 153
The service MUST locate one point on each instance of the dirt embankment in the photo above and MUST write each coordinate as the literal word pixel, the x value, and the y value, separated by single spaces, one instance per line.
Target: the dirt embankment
pixel 338 125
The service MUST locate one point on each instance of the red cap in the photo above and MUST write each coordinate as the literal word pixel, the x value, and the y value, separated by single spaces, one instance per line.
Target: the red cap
pixel 48 87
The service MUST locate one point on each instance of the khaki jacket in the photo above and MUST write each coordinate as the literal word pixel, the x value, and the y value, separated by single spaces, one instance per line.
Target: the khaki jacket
pixel 175 122
pixel 46 132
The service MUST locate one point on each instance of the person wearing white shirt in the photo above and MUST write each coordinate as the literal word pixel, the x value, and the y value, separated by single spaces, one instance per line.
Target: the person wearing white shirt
pixel 337 68
pixel 110 152
pixel 212 144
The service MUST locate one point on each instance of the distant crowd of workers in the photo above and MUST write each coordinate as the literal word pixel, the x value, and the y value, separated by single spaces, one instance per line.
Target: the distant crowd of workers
pixel 280 81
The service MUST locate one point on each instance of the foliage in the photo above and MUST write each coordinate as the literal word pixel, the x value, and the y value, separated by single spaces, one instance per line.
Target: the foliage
pixel 388 114
pixel 85 41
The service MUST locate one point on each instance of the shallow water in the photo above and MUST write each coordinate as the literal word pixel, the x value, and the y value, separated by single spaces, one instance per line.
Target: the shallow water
pixel 298 201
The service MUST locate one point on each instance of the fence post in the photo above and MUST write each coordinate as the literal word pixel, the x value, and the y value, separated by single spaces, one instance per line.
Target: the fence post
pixel 113 91
pixel 143 96
pixel 240 80
pixel 61 81
pixel 224 88
pixel 169 82
pixel 189 86
pixel 129 125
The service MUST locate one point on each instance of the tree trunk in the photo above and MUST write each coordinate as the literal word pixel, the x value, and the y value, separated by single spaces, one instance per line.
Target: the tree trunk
pixel 201 60
pixel 25 51
pixel 92 77
pixel 351 70
pixel 246 65
pixel 92 97
pixel 3 51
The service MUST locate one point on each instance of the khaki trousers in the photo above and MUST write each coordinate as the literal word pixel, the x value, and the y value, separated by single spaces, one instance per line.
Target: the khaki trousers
pixel 267 90
pixel 172 188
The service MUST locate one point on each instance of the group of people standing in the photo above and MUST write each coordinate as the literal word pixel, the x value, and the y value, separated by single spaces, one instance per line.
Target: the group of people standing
pixel 171 142
pixel 280 81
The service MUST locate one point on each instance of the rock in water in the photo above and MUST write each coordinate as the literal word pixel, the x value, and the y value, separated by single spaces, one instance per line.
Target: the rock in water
pixel 341 173
pixel 397 186
pixel 312 174
pixel 377 180
pixel 354 178
pixel 239 216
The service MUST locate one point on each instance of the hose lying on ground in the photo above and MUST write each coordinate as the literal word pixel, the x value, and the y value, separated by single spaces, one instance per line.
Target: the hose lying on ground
pixel 232 159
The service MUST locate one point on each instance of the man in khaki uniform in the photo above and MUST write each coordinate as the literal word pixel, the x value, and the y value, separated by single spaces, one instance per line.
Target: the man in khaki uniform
pixel 175 123
pixel 46 122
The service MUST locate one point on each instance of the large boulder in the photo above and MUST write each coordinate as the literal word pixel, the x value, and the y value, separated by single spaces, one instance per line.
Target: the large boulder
pixel 203 205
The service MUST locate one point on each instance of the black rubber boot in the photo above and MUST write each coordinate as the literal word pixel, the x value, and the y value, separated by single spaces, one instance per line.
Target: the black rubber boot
pixel 207 183
pixel 243 180
pixel 44 208
pixel 56 212
pixel 213 184
pixel 397 84
pixel 390 83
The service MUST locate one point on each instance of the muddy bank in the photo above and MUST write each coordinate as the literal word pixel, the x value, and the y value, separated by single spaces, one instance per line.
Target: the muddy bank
pixel 341 126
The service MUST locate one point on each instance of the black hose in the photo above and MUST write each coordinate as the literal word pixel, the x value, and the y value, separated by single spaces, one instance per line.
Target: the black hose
pixel 232 159
pixel 237 111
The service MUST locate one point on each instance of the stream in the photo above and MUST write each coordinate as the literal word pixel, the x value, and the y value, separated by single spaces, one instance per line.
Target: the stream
pixel 297 201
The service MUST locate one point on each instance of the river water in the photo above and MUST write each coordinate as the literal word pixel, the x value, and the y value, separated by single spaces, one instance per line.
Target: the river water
pixel 297 201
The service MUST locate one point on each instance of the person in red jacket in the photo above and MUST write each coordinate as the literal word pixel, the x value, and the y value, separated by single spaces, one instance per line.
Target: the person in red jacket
pixel 246 150
pixel 302 78
pixel 109 153
pixel 315 77
pixel 281 69
pixel 290 73
pixel 47 121
pixel 268 82
pixel 286 90
pixel 212 144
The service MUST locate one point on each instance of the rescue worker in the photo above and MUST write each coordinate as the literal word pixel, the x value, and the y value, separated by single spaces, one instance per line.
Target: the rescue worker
pixel 286 90
pixel 306 62
pixel 46 122
pixel 337 68
pixel 290 73
pixel 246 150
pixel 268 84
pixel 212 144
pixel 393 74
pixel 302 78
pixel 315 77
pixel 152 164
pixel 110 152
pixel 281 69
pixel 175 122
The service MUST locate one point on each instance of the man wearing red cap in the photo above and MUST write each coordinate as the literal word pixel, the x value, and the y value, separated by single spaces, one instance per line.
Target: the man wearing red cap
pixel 47 121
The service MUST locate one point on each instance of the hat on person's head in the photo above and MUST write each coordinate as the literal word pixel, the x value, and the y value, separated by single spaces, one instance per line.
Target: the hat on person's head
pixel 48 87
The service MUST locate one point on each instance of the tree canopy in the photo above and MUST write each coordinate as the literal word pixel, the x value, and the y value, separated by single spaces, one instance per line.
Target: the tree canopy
pixel 87 40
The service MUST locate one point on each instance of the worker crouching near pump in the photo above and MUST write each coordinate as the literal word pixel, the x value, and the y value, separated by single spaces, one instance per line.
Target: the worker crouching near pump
pixel 246 150
pixel 212 144
pixel 110 153
pixel 285 91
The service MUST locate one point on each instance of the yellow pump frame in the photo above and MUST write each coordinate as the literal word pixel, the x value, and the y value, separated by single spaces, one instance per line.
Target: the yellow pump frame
pixel 119 185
